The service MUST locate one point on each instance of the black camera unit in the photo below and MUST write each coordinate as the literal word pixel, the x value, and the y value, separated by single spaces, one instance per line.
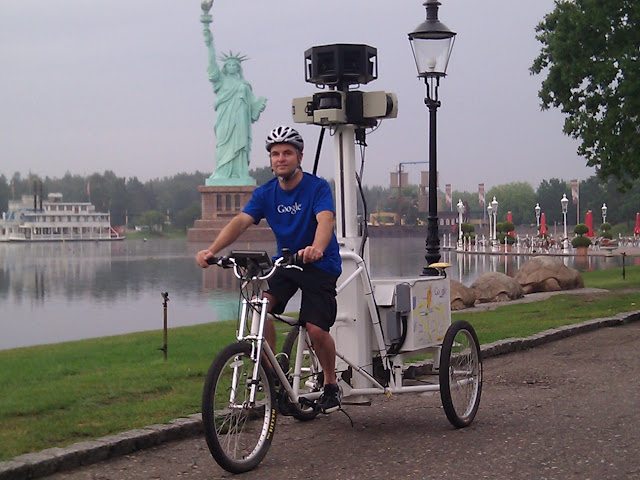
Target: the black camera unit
pixel 341 65
pixel 338 67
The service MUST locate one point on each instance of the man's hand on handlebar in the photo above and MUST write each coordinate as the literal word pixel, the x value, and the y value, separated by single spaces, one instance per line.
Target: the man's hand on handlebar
pixel 310 254
pixel 202 256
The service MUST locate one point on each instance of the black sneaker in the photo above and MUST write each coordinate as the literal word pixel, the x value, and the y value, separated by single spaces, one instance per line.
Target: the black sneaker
pixel 329 401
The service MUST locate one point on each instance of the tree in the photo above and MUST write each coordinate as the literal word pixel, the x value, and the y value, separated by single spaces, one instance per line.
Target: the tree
pixel 261 175
pixel 518 198
pixel 468 230
pixel 4 193
pixel 185 218
pixel 152 219
pixel 622 206
pixel 592 196
pixel 374 197
pixel 472 208
pixel 590 52
pixel 549 194
pixel 140 198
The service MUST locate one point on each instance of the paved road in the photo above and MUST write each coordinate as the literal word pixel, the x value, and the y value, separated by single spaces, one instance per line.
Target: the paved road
pixel 569 409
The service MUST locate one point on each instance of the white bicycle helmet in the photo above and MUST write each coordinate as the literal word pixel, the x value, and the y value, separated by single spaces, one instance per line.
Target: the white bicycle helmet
pixel 284 134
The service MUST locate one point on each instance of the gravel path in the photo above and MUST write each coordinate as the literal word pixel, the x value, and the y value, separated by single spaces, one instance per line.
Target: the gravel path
pixel 568 409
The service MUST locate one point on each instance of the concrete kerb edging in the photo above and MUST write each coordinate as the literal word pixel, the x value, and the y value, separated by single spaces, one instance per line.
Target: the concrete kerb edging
pixel 52 460
pixel 510 345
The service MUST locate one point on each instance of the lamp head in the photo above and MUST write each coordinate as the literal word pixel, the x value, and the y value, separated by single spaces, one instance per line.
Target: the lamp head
pixel 432 42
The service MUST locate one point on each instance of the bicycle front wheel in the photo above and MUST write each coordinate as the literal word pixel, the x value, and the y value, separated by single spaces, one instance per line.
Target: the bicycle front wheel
pixel 460 374
pixel 238 431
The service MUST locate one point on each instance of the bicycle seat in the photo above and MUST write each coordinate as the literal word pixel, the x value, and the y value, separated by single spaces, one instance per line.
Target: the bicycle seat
pixel 440 265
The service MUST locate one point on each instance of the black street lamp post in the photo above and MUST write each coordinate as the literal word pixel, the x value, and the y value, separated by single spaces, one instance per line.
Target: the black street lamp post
pixel 432 43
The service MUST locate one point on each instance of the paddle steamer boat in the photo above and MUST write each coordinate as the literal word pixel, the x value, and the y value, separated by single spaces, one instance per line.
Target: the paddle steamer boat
pixel 32 219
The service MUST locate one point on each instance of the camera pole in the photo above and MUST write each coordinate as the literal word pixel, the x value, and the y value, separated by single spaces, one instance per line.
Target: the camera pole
pixel 345 176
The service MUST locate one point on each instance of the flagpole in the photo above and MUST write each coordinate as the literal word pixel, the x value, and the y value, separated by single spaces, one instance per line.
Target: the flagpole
pixel 578 204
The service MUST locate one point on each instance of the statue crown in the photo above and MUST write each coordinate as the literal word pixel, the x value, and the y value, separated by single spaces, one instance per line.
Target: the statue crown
pixel 231 56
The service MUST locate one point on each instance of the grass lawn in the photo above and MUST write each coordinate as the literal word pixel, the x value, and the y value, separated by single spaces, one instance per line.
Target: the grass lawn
pixel 55 395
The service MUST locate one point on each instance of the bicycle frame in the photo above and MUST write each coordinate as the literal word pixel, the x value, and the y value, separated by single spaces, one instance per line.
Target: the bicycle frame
pixel 252 323
pixel 256 309
pixel 259 307
pixel 253 319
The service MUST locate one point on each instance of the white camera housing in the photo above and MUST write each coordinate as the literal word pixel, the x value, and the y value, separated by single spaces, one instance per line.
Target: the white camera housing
pixel 335 107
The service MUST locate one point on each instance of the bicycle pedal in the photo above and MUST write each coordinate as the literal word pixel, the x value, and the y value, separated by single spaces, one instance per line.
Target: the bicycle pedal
pixel 305 402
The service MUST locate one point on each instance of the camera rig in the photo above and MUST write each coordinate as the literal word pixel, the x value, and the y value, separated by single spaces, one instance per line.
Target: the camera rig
pixel 337 67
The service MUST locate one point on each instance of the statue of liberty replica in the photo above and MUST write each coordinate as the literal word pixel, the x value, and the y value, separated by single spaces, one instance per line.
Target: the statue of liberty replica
pixel 236 109
pixel 230 187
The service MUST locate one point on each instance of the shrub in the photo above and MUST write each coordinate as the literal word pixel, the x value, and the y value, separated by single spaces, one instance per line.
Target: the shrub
pixel 510 238
pixel 581 229
pixel 467 228
pixel 605 227
pixel 505 227
pixel 581 241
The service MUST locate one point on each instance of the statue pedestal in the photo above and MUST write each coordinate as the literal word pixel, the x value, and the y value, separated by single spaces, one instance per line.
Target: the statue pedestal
pixel 219 206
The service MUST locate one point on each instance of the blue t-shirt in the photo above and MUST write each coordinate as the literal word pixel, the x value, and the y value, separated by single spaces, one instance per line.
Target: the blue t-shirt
pixel 292 216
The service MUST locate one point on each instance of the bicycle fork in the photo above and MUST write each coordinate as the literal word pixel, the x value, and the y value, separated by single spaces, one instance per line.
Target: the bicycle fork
pixel 258 308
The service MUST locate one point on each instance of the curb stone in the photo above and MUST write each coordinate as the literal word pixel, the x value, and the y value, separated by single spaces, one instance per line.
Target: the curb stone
pixel 52 460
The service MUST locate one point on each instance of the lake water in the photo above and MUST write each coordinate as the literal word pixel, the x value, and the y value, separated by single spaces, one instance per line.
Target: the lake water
pixel 55 292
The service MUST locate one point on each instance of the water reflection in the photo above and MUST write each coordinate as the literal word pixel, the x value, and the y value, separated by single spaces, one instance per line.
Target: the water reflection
pixel 53 292
pixel 405 257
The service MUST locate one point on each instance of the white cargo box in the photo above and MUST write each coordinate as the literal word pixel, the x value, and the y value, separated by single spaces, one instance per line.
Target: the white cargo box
pixel 430 308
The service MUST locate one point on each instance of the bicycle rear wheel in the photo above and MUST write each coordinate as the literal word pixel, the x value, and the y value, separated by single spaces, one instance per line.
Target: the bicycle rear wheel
pixel 460 374
pixel 238 433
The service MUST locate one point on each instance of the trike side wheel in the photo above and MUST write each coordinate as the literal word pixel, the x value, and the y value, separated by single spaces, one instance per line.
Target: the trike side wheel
pixel 238 433
pixel 460 374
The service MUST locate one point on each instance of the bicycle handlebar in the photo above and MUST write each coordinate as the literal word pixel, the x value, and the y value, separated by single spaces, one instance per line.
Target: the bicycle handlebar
pixel 259 259
pixel 222 262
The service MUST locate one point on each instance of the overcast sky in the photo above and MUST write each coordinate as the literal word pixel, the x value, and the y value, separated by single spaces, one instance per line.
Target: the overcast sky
pixel 121 85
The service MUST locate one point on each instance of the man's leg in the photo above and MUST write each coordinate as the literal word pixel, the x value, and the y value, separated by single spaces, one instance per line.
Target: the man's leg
pixel 325 349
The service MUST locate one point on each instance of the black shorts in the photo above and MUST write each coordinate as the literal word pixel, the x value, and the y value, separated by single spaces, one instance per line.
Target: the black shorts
pixel 318 287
